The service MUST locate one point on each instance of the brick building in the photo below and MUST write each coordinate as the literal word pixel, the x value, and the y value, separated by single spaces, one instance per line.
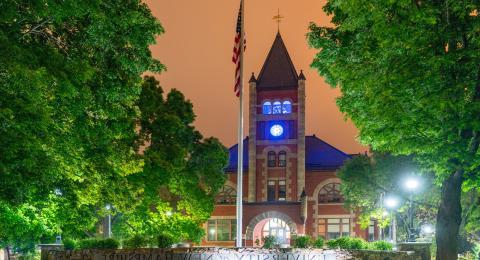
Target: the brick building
pixel 290 186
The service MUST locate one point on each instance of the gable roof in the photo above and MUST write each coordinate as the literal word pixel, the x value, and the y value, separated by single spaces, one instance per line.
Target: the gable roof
pixel 233 157
pixel 278 71
pixel 319 155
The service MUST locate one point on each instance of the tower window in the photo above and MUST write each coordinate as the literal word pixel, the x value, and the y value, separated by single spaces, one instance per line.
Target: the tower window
pixel 277 107
pixel 282 159
pixel 272 159
pixel 276 190
pixel 287 107
pixel 267 108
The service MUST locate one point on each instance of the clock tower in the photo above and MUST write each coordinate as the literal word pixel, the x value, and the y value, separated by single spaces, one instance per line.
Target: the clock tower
pixel 276 143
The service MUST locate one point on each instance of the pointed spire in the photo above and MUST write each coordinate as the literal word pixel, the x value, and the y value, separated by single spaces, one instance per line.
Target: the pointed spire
pixel 278 70
pixel 301 76
pixel 252 78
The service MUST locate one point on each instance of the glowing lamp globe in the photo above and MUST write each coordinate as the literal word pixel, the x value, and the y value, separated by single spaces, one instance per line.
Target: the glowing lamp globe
pixel 412 183
pixel 276 130
pixel 391 202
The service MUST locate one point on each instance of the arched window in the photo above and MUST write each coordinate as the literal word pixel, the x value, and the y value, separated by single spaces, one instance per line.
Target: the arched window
pixel 272 159
pixel 330 193
pixel 267 108
pixel 287 107
pixel 277 107
pixel 227 195
pixel 282 159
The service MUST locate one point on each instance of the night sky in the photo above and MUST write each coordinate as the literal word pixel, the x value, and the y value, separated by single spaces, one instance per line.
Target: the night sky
pixel 197 50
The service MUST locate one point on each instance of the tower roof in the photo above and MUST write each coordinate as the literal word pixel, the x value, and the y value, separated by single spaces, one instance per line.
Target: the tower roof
pixel 278 71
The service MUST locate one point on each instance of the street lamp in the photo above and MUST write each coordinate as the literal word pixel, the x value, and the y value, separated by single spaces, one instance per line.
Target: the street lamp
pixel 412 184
pixel 392 203
pixel 108 207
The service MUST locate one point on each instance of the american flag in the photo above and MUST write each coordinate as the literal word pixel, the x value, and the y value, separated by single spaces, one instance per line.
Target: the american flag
pixel 236 50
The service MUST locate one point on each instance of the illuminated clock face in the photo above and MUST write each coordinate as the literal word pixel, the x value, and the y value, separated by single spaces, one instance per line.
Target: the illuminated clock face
pixel 276 130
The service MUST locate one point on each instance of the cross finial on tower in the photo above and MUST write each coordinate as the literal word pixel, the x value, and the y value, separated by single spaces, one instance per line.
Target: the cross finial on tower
pixel 278 19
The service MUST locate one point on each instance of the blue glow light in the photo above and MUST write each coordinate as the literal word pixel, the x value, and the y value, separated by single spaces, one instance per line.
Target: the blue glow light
pixel 276 130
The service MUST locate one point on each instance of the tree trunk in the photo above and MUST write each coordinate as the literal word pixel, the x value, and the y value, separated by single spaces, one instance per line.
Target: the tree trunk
pixel 449 217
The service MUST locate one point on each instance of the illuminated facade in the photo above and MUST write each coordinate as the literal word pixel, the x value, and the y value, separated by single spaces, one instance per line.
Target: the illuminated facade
pixel 290 186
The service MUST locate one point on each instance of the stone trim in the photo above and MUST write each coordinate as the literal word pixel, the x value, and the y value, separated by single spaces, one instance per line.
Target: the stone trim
pixel 301 137
pixel 277 142
pixel 266 215
pixel 262 117
pixel 252 148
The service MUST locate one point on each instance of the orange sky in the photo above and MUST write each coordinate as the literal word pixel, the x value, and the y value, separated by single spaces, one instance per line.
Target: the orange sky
pixel 197 50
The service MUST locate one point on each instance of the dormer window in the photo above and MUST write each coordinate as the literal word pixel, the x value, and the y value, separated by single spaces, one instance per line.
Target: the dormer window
pixel 287 107
pixel 277 107
pixel 267 108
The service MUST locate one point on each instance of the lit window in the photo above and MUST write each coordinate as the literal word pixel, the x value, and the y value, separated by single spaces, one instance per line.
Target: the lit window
pixel 333 228
pixel 276 190
pixel 330 193
pixel 276 130
pixel 277 107
pixel 277 228
pixel 221 229
pixel 227 195
pixel 272 159
pixel 267 108
pixel 282 159
pixel 282 190
pixel 287 107
pixel 271 191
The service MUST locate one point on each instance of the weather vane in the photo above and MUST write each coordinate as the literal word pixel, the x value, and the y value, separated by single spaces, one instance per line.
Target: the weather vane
pixel 278 19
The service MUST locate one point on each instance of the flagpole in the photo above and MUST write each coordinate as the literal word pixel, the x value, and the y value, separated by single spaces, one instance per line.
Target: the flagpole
pixel 240 137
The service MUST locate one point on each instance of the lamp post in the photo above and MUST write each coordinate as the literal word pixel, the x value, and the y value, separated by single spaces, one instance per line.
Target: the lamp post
pixel 411 184
pixel 109 221
pixel 392 204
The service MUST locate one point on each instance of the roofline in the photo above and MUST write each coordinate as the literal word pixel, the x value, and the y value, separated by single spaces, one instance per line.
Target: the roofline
pixel 314 136
pixel 260 76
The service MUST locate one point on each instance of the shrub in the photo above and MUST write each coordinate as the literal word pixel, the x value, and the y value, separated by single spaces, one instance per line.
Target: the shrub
pixel 93 243
pixel 318 243
pixel 347 243
pixel 381 245
pixel 137 241
pixel 302 242
pixel 165 241
pixel 269 242
pixel 69 244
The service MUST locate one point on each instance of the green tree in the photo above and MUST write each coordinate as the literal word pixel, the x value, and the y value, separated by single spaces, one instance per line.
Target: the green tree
pixel 182 173
pixel 409 76
pixel 368 180
pixel 70 77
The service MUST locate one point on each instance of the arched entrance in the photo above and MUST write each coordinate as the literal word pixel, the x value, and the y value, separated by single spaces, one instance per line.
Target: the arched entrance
pixel 271 223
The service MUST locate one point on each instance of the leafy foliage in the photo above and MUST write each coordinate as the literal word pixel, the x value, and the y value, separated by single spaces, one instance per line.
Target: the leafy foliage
pixel 69 244
pixel 409 76
pixel 302 241
pixel 165 241
pixel 381 245
pixel 95 243
pixel 348 243
pixel 269 242
pixel 367 180
pixel 182 172
pixel 319 242
pixel 136 241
